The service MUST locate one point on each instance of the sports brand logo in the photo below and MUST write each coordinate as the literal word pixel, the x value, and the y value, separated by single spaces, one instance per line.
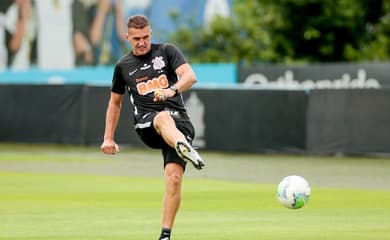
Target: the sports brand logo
pixel 158 63
pixel 132 72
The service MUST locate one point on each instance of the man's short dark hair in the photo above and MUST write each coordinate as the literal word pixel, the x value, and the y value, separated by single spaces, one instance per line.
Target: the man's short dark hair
pixel 138 22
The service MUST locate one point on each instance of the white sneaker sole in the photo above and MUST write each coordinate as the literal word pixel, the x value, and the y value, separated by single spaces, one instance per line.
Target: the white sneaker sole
pixel 188 153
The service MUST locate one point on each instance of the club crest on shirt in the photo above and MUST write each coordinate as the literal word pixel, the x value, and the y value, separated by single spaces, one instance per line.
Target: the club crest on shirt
pixel 158 63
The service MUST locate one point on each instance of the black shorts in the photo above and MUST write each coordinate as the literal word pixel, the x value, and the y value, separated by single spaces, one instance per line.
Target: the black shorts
pixel 147 133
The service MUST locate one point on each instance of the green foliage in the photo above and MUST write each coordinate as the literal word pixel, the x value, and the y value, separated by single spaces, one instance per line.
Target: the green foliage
pixel 287 31
pixel 377 46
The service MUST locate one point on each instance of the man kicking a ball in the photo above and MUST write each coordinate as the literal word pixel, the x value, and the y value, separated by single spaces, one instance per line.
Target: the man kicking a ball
pixel 155 75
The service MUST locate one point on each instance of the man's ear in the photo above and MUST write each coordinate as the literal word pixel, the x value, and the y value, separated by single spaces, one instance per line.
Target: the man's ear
pixel 126 36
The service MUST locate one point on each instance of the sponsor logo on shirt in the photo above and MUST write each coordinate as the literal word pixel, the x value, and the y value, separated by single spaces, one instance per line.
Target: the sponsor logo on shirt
pixel 151 85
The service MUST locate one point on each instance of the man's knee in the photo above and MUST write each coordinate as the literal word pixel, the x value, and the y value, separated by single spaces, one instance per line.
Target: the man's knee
pixel 162 118
pixel 163 115
pixel 173 178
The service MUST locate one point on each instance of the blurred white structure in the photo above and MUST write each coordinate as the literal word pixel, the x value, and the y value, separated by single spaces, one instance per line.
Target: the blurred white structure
pixel 215 8
pixel 54 39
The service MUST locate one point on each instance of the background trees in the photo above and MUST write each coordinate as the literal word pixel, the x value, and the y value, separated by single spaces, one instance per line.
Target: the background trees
pixel 293 31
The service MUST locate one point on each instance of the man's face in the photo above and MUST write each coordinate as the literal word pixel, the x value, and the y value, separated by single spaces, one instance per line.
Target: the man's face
pixel 140 40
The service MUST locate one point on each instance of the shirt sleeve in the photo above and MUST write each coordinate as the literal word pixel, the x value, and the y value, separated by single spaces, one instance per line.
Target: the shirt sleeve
pixel 118 83
pixel 175 56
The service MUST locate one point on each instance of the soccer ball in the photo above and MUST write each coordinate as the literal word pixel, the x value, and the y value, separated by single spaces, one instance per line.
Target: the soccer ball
pixel 293 192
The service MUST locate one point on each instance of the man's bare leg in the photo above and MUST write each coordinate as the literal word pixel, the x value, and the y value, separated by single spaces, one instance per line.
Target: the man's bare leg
pixel 172 197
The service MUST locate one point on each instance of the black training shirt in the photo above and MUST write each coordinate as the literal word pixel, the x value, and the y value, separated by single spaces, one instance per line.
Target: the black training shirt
pixel 142 75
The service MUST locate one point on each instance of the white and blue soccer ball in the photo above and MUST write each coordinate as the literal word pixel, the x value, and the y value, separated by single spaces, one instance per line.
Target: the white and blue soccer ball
pixel 293 192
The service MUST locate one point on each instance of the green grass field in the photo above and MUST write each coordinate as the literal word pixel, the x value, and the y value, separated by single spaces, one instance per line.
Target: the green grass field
pixel 63 192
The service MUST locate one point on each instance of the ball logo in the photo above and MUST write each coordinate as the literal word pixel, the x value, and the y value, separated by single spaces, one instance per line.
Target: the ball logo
pixel 293 192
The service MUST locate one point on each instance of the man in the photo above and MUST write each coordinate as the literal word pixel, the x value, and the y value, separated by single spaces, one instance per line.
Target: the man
pixel 155 75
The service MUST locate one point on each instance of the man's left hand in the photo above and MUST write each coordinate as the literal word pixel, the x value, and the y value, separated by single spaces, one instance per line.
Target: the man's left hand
pixel 161 95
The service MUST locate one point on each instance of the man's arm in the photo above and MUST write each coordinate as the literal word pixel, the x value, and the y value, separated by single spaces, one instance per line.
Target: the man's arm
pixel 24 8
pixel 187 78
pixel 112 117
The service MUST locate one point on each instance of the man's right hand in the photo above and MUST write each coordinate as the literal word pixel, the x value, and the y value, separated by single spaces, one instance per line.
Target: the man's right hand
pixel 109 147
